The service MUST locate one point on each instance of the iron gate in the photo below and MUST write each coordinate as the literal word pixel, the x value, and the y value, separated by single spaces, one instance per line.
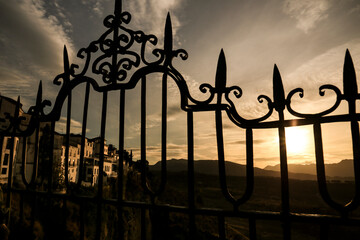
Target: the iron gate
pixel 117 63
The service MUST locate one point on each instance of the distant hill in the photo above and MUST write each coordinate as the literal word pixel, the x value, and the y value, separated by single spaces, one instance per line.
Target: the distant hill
pixel 232 169
pixel 343 169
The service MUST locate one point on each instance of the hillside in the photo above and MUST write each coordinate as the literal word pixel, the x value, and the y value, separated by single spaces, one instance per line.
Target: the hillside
pixel 210 167
pixel 343 169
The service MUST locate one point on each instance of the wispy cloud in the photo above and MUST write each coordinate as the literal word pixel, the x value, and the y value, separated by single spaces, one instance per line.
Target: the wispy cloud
pixel 326 68
pixel 75 126
pixel 31 42
pixel 151 14
pixel 97 6
pixel 154 152
pixel 307 12
pixel 242 142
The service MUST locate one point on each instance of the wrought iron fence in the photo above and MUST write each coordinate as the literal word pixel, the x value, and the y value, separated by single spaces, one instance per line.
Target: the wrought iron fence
pixel 121 69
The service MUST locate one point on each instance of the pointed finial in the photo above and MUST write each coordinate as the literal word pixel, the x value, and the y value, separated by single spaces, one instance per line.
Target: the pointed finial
pixel 349 78
pixel 168 37
pixel 118 6
pixel 278 90
pixel 220 79
pixel 66 59
pixel 39 95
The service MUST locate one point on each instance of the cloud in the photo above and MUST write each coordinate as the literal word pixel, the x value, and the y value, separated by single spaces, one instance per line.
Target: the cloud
pixel 174 110
pixel 97 6
pixel 153 153
pixel 326 68
pixel 355 10
pixel 307 12
pixel 242 142
pixel 31 43
pixel 75 126
pixel 151 14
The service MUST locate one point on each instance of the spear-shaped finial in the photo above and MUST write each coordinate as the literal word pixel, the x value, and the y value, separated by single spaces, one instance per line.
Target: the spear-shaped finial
pixel 349 78
pixel 66 60
pixel 278 90
pixel 220 78
pixel 39 95
pixel 168 37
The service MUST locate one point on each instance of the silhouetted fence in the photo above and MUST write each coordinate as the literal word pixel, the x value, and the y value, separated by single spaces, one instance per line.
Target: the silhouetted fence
pixel 121 69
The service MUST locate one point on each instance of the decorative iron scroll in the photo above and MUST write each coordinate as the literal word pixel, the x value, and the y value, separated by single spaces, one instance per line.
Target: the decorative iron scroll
pixel 120 68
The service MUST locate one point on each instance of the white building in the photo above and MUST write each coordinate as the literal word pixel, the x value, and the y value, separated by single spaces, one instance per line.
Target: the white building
pixel 7 106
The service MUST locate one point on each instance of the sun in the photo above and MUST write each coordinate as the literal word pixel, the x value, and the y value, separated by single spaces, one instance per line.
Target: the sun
pixel 296 140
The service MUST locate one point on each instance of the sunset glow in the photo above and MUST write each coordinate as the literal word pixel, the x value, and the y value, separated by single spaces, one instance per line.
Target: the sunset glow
pixel 296 140
pixel 306 39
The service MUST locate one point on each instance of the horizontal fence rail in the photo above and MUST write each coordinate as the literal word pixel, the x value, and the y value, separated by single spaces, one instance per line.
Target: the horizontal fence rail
pixel 112 59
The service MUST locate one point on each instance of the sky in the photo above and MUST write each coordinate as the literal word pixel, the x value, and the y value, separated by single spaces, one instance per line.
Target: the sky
pixel 306 39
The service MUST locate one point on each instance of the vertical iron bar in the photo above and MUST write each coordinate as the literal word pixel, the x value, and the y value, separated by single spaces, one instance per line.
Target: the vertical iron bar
pixel 9 190
pixel 64 216
pixel 101 167
pixel 12 158
pixel 143 224
pixel 21 208
pixel 2 139
pixel 67 141
pixel 279 105
pixel 23 162
pixel 284 179
pixel 221 154
pixel 83 133
pixel 252 228
pixel 118 7
pixel 143 133
pixel 320 167
pixel 121 163
pixel 221 226
pixel 191 181
pixel 163 133
pixel 82 224
pixel 33 211
pixel 51 157
pixel 249 164
pixel 114 47
pixel 355 137
pixel 351 95
pixel 324 231
pixel 283 167
pixel 36 155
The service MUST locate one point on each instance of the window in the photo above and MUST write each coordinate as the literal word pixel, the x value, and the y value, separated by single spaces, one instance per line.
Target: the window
pixel 89 171
pixel 6 159
pixel 3 170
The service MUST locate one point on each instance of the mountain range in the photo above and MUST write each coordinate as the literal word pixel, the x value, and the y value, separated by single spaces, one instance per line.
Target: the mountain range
pixel 342 170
